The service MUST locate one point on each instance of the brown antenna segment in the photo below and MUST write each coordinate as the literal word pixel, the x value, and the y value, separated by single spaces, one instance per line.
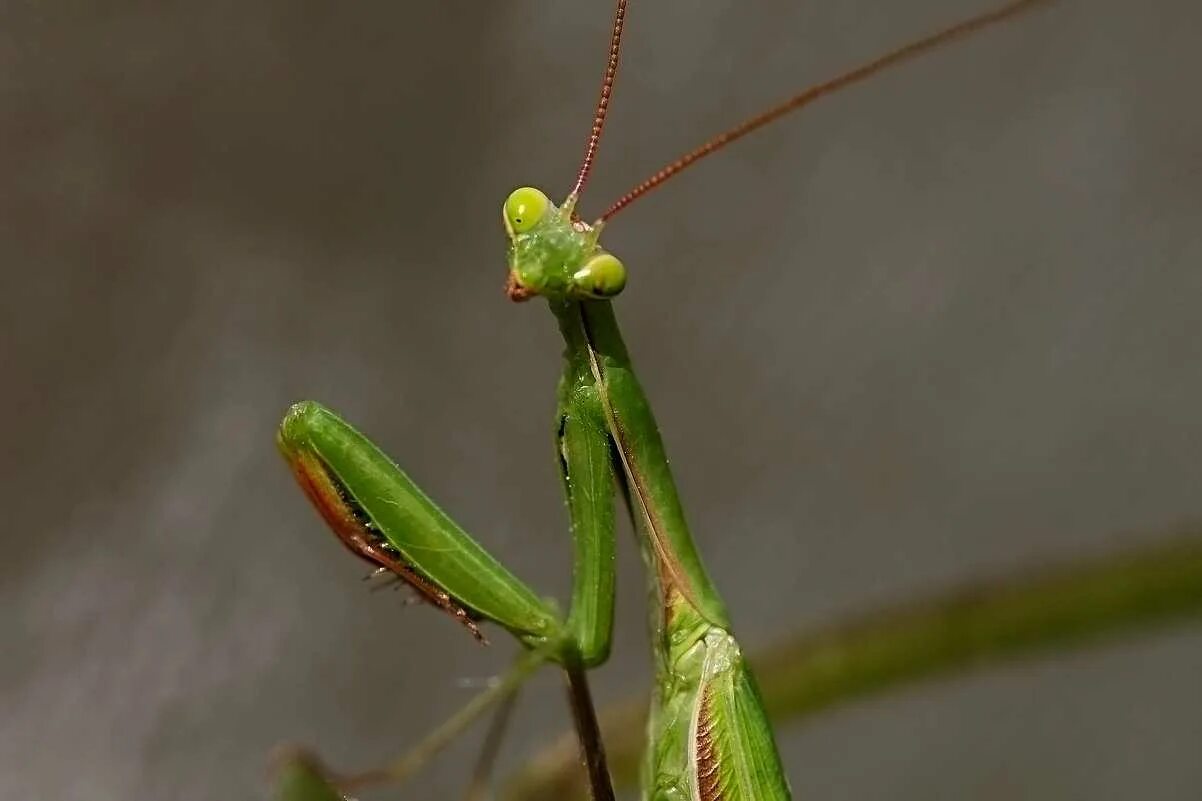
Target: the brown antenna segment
pixel 809 95
pixel 607 88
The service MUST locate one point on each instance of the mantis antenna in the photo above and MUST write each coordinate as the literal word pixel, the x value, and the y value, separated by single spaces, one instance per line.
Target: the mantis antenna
pixel 803 98
pixel 607 88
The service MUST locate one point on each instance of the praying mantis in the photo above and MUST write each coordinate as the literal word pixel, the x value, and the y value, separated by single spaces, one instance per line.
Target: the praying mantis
pixel 708 735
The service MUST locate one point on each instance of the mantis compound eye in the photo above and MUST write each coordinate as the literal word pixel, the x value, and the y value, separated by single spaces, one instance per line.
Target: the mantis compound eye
pixel 602 276
pixel 524 208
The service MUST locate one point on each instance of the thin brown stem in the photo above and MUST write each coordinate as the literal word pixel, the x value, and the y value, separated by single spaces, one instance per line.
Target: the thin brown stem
pixel 588 731
pixel 807 96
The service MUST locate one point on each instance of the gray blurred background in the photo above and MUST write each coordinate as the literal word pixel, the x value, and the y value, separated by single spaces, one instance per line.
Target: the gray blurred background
pixel 943 325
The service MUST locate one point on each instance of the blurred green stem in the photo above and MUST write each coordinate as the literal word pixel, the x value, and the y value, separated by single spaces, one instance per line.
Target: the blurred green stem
pixel 405 766
pixel 299 776
pixel 973 626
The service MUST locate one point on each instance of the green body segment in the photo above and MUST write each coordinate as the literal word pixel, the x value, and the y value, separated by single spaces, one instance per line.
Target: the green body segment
pixel 548 251
pixel 709 738
pixel 426 537
pixel 551 253
pixel 586 467
pixel 655 503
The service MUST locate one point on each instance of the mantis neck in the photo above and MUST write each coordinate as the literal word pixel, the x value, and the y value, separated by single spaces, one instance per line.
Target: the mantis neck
pixel 595 349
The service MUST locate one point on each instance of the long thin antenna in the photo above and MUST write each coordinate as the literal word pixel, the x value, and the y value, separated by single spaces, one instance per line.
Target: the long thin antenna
pixel 804 98
pixel 607 88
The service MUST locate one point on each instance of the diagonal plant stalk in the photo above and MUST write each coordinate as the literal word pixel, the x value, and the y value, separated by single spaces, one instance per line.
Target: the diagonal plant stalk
pixel 412 761
pixel 974 626
pixel 480 786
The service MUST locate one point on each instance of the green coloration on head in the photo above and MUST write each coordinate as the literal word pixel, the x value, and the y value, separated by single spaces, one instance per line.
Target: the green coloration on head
pixel 553 255
pixel 524 209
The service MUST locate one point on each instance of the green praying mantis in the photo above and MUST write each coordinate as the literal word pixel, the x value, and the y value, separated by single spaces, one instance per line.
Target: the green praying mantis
pixel 708 735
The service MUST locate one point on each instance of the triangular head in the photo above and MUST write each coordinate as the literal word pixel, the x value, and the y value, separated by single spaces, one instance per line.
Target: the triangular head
pixel 555 254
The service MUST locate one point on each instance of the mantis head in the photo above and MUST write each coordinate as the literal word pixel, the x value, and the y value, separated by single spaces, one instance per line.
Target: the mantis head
pixel 553 254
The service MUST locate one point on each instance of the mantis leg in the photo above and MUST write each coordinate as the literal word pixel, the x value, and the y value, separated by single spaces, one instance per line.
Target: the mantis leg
pixel 709 737
pixel 586 459
pixel 382 516
pixel 586 469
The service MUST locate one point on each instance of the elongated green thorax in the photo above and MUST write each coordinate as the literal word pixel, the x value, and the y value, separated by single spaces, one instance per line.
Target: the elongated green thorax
pixel 555 255
pixel 709 739
pixel 591 334
pixel 383 517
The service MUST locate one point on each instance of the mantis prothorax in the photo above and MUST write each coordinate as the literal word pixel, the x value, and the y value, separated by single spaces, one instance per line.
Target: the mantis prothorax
pixel 709 738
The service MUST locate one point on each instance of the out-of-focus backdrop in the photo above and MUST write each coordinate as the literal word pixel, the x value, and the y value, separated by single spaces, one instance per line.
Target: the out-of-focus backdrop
pixel 942 325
